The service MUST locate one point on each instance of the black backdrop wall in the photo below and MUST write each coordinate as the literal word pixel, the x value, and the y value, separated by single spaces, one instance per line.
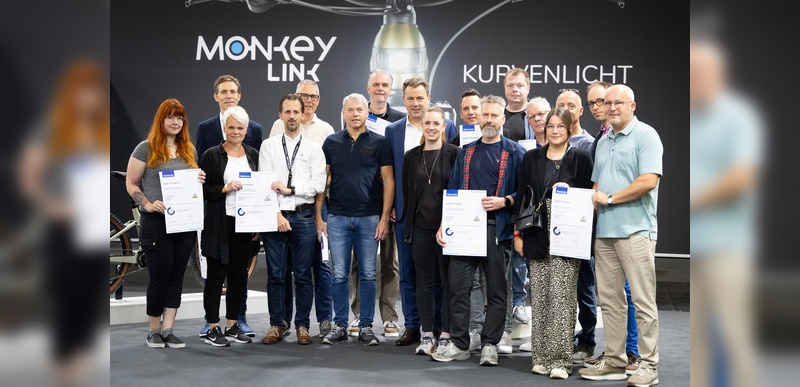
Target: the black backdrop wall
pixel 162 49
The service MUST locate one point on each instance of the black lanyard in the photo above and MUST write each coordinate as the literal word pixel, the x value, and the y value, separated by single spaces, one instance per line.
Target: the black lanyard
pixel 289 163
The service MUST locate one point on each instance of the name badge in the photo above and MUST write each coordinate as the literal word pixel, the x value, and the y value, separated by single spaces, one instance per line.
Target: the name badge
pixel 287 203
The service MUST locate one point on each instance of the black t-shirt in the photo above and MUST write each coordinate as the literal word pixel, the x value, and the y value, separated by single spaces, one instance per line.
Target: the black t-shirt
pixel 514 128
pixel 356 187
pixel 429 207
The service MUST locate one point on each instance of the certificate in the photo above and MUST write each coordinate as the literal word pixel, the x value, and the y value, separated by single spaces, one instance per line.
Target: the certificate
pixel 377 124
pixel 464 223
pixel 468 134
pixel 256 203
pixel 571 218
pixel 323 241
pixel 527 144
pixel 183 197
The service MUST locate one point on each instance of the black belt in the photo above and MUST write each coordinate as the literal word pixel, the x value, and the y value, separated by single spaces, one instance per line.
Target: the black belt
pixel 303 207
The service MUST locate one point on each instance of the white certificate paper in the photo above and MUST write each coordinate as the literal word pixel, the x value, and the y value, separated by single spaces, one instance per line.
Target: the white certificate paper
pixel 571 222
pixel 377 124
pixel 464 223
pixel 527 144
pixel 183 196
pixel 256 203
pixel 468 134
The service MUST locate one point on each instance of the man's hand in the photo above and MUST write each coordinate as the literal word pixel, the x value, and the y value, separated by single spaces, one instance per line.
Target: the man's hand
pixel 283 224
pixel 281 188
pixel 382 230
pixel 493 203
pixel 518 245
pixel 322 227
pixel 599 197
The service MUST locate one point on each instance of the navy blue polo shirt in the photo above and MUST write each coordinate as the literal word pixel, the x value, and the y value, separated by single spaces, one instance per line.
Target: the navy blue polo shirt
pixel 356 188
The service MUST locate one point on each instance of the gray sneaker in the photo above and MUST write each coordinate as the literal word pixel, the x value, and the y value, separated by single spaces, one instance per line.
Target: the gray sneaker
pixel 489 355
pixel 155 340
pixel 367 337
pixel 452 353
pixel 474 340
pixel 581 353
pixel 174 342
pixel 325 328
pixel 336 335
pixel 235 334
pixel 520 314
pixel 644 377
pixel 602 371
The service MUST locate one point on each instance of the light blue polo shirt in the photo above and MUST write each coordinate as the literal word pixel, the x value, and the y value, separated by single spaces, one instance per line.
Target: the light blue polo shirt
pixel 620 159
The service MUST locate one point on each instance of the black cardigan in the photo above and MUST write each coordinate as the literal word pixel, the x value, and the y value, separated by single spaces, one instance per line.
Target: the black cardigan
pixel 576 170
pixel 411 192
pixel 215 226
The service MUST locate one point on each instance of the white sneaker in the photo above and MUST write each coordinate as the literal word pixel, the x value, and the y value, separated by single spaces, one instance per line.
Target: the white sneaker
pixel 489 355
pixel 474 340
pixel 353 330
pixel 452 353
pixel 558 373
pixel 443 345
pixel 526 347
pixel 539 369
pixel 390 329
pixel 504 346
pixel 520 315
pixel 426 346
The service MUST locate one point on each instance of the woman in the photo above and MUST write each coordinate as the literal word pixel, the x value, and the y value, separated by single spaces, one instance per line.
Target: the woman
pixel 426 172
pixel 228 252
pixel 167 148
pixel 554 280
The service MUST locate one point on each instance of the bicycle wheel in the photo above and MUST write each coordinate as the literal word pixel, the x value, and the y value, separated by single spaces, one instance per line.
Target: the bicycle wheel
pixel 120 246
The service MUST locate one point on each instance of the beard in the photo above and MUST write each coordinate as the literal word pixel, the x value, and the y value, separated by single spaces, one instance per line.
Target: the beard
pixel 490 131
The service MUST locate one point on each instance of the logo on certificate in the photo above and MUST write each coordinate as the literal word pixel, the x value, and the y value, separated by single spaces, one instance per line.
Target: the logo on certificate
pixel 240 211
pixel 170 211
pixel 448 232
pixel 556 231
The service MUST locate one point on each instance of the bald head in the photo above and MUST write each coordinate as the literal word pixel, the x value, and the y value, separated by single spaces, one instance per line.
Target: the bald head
pixel 571 101
pixel 619 106
pixel 707 72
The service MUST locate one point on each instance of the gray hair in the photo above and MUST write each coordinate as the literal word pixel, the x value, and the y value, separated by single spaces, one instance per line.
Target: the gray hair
pixel 238 113
pixel 355 97
pixel 306 82
pixel 538 101
pixel 380 71
pixel 493 99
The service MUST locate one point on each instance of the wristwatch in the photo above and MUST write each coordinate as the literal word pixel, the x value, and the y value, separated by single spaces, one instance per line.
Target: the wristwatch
pixel 609 201
pixel 508 201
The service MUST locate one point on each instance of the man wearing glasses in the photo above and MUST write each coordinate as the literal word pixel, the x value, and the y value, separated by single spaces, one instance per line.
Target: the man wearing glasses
pixel 535 113
pixel 315 129
pixel 626 176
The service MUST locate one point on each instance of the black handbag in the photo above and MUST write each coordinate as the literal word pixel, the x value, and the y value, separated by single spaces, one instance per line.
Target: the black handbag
pixel 529 217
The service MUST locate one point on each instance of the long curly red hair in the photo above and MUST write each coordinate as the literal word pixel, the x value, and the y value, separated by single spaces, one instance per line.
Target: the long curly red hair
pixel 157 138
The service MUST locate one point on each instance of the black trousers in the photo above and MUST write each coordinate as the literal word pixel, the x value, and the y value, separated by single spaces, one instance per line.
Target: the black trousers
pixel 461 274
pixel 432 268
pixel 239 255
pixel 167 256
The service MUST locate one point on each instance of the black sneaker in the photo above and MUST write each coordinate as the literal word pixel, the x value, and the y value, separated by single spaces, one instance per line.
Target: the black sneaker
pixel 336 335
pixel 325 328
pixel 174 342
pixel 155 340
pixel 235 333
pixel 216 338
pixel 367 337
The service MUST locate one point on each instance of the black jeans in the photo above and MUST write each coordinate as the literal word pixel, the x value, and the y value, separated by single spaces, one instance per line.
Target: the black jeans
pixel 167 256
pixel 431 267
pixel 239 255
pixel 461 274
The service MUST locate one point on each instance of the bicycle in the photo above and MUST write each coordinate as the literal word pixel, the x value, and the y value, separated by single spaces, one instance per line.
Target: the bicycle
pixel 123 255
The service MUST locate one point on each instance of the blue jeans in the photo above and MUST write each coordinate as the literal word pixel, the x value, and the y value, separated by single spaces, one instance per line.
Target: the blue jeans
pixel 343 233
pixel 301 239
pixel 632 340
pixel 519 276
pixel 323 298
pixel 587 303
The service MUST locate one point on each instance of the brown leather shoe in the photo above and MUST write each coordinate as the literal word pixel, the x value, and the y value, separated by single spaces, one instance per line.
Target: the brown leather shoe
pixel 410 336
pixel 303 338
pixel 274 335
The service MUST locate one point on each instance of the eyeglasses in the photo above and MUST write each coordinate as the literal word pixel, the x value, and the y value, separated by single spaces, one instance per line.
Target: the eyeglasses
pixel 313 97
pixel 541 115
pixel 598 102
pixel 572 90
pixel 174 118
pixel 553 128
pixel 617 104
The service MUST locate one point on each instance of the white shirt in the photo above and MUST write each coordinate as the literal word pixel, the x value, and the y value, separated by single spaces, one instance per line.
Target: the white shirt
pixel 232 169
pixel 222 126
pixel 315 130
pixel 308 171
pixel 413 136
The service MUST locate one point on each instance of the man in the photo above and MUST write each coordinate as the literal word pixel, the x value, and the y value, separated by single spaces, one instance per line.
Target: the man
pixel 470 112
pixel 300 175
pixel 570 100
pixel 402 136
pixel 313 129
pixel 379 85
pixel 587 290
pixel 490 164
pixel 227 93
pixel 626 176
pixel 356 160
pixel 535 112
pixel 517 85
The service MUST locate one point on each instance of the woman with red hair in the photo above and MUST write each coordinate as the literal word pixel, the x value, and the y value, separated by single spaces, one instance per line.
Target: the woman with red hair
pixel 168 147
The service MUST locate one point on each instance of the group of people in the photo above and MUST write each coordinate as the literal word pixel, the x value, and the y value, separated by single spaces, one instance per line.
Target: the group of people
pixel 362 190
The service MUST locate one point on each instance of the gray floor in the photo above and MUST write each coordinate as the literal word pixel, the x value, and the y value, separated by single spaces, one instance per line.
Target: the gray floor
pixel 352 364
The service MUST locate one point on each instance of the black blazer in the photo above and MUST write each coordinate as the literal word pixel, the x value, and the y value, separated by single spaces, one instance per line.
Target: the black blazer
pixel 411 192
pixel 215 227
pixel 209 134
pixel 576 170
